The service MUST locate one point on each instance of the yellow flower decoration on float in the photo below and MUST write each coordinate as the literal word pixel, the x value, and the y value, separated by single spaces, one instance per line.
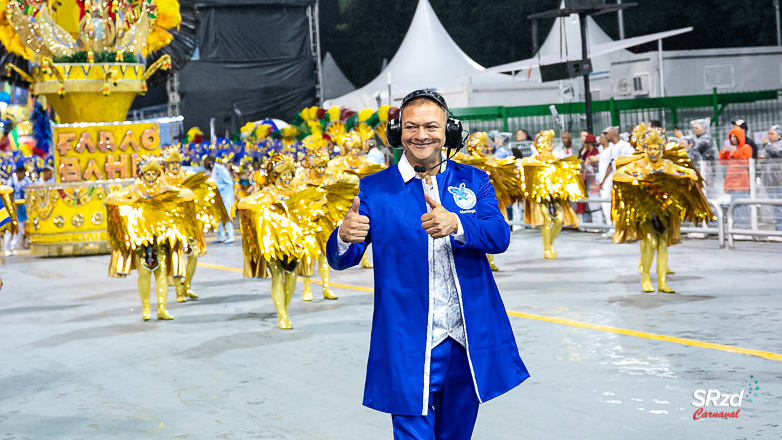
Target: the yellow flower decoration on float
pixel 333 114
pixel 168 17
pixel 382 112
pixel 365 114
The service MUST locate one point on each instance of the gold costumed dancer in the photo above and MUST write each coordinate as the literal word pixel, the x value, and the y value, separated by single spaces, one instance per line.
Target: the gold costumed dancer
pixel 151 226
pixel 340 190
pixel 279 224
pixel 354 161
pixel 210 212
pixel 550 187
pixel 504 175
pixel 654 190
pixel 7 211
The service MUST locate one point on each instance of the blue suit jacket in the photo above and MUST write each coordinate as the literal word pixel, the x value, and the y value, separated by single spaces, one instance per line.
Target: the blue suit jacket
pixel 395 370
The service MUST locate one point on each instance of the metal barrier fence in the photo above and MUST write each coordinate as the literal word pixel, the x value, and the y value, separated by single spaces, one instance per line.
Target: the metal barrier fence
pixel 760 109
pixel 754 202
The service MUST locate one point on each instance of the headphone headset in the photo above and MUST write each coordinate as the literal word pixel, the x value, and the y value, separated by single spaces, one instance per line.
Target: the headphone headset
pixel 454 139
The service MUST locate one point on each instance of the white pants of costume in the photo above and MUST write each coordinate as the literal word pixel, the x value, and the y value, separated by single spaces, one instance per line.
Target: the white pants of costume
pixel 11 241
pixel 226 234
pixel 605 193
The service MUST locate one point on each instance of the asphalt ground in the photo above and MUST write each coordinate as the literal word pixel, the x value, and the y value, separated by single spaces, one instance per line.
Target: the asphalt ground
pixel 607 361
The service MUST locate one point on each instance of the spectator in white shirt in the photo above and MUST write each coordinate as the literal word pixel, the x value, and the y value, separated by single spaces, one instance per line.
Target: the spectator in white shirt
pixel 607 165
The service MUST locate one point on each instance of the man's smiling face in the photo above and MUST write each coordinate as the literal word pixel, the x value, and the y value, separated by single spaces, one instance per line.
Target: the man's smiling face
pixel 423 130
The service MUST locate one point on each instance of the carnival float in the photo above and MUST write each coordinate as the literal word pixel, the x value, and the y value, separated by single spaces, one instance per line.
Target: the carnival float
pixel 88 60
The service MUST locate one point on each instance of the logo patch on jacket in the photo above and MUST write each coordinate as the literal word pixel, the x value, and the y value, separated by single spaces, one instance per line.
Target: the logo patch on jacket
pixel 463 197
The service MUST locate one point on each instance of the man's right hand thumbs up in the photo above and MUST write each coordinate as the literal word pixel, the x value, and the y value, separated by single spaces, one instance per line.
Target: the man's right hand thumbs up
pixel 355 227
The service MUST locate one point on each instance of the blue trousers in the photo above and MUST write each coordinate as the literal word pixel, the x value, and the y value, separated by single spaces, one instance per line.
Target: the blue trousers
pixel 741 215
pixel 226 234
pixel 776 193
pixel 453 405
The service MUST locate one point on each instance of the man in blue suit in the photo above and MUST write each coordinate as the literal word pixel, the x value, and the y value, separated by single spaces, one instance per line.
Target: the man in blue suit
pixel 441 341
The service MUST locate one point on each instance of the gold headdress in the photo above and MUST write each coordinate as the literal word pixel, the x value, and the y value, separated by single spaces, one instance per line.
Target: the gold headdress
pixel 151 165
pixel 544 139
pixel 278 164
pixel 173 156
pixel 476 140
pixel 350 140
pixel 643 136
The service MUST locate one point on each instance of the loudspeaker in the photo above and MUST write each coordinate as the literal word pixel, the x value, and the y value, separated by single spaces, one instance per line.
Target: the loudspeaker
pixel 566 70
pixel 581 4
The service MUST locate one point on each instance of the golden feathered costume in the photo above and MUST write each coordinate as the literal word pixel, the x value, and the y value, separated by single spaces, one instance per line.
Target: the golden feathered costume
pixel 504 175
pixel 550 187
pixel 654 191
pixel 8 220
pixel 666 193
pixel 152 226
pixel 548 179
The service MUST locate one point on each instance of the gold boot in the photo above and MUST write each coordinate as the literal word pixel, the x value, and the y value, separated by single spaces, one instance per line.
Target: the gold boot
pixel 161 288
pixel 646 283
pixel 662 263
pixel 146 313
pixel 323 270
pixel 307 296
pixel 552 224
pixel 365 263
pixel 192 262
pixel 649 242
pixel 144 277
pixel 278 295
pixel 491 263
pixel 179 287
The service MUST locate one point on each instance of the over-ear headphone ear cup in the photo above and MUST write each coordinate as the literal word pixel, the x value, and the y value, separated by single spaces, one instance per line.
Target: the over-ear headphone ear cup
pixel 453 134
pixel 394 133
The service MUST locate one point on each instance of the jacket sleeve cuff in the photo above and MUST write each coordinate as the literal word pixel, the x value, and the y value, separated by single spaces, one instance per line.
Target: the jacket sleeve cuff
pixel 342 246
pixel 459 235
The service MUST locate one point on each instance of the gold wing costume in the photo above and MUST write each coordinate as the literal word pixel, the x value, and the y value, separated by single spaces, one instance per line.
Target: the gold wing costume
pixel 8 220
pixel 504 175
pixel 550 187
pixel 210 209
pixel 162 220
pixel 152 226
pixel 654 190
pixel 548 179
pixel 660 193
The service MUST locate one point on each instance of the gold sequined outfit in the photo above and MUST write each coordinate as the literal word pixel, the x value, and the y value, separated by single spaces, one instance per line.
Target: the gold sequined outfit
pixel 654 190
pixel 550 186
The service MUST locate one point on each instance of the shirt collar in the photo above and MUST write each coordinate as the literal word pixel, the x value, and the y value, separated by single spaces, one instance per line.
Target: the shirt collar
pixel 407 171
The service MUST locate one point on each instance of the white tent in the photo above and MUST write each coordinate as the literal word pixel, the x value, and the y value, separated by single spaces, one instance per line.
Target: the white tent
pixel 427 58
pixel 547 55
pixel 335 83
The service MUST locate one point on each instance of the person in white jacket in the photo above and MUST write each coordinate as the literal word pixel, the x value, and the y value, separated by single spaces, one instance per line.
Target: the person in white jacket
pixel 225 184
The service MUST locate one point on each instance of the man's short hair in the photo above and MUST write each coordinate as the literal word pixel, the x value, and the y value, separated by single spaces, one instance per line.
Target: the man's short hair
pixel 655 123
pixel 419 96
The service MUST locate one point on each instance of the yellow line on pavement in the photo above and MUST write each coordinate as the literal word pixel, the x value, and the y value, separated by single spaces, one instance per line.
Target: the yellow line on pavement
pixel 656 337
pixel 343 286
pixel 602 328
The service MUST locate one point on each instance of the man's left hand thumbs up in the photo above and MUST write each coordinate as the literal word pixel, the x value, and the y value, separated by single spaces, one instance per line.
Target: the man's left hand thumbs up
pixel 439 222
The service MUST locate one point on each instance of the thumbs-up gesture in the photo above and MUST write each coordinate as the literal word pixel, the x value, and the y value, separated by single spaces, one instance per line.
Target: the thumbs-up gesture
pixel 439 222
pixel 355 227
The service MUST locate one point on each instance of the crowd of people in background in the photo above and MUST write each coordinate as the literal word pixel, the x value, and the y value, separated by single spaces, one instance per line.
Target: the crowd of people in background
pixel 598 152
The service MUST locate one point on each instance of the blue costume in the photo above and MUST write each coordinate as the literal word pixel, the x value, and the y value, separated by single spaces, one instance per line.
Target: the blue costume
pixel 397 367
